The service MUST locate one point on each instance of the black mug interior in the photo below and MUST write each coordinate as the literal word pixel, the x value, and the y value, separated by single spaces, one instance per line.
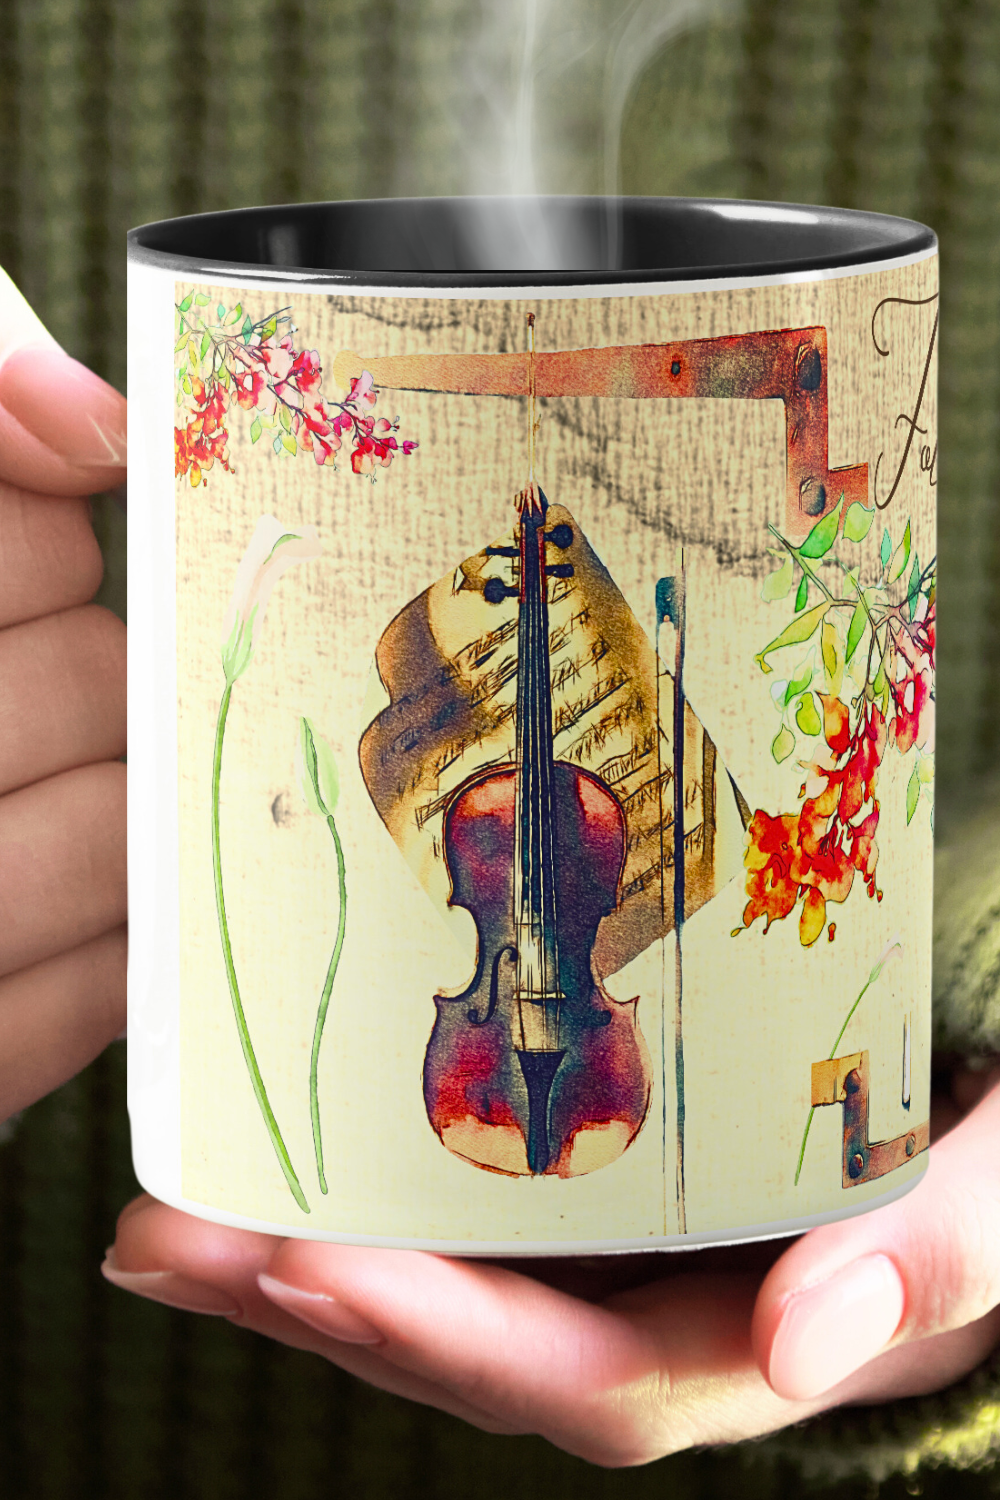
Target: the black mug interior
pixel 510 241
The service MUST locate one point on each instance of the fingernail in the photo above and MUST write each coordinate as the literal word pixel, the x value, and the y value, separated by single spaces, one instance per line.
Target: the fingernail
pixel 172 1289
pixel 830 1330
pixel 321 1312
pixel 66 406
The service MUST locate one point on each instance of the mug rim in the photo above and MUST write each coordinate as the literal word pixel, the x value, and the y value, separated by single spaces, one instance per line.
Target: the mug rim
pixel 776 235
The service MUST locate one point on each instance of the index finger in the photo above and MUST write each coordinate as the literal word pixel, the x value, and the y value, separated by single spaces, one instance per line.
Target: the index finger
pixel 62 428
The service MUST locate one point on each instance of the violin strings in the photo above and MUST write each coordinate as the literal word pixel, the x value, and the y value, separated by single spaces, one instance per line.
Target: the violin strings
pixel 532 420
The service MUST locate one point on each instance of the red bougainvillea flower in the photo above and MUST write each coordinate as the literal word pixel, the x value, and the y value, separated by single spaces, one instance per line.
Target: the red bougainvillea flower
pixel 306 373
pixel 362 393
pixel 913 688
pixel 204 440
pixel 319 433
pixel 771 846
pixel 278 355
pixel 248 388
pixel 815 854
pixel 370 451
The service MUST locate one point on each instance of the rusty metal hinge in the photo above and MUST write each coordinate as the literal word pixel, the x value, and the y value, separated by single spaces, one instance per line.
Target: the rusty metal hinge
pixel 844 1080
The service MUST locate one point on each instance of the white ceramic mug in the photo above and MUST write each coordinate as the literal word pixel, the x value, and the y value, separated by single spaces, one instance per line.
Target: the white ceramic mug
pixel 530 851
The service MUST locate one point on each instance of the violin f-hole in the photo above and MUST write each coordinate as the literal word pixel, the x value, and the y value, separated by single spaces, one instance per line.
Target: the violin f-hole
pixel 473 1014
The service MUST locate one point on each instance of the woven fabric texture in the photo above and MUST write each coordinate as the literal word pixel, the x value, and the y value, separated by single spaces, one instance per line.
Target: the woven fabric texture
pixel 114 112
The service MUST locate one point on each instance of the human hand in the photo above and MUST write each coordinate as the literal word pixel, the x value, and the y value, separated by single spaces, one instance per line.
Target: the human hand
pixel 623 1359
pixel 62 717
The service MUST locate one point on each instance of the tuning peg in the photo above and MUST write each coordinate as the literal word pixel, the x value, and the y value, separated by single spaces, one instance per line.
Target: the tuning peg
pixel 501 551
pixel 560 570
pixel 560 536
pixel 496 591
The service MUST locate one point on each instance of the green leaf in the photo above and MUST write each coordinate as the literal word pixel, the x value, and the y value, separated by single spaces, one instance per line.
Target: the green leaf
pixel 886 552
pixel 201 300
pixel 247 329
pixel 802 596
pixel 912 795
pixel 858 522
pixel 255 429
pixel 181 342
pixel 824 533
pixel 269 328
pixel 900 558
pixel 829 649
pixel 878 686
pixel 799 630
pixel 220 312
pixel 783 744
pixel 276 445
pixel 806 716
pixel 289 443
pixel 800 683
pixel 206 344
pixel 286 420
pixel 235 315
pixel 925 769
pixel 187 384
pixel 856 629
pixel 778 584
pixel 224 376
pixel 913 587
pixel 186 303
pixel 317 771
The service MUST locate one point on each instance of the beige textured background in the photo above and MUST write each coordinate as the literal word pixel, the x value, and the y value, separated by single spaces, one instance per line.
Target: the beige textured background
pixel 639 477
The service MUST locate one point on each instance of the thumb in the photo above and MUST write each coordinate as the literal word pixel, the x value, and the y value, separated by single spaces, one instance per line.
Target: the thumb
pixel 62 428
pixel 925 1266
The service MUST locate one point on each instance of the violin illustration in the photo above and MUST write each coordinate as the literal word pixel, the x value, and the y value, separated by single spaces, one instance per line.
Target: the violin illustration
pixel 534 1068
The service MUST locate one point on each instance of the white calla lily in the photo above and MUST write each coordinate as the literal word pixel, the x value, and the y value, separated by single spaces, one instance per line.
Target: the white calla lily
pixel 273 548
pixel 892 947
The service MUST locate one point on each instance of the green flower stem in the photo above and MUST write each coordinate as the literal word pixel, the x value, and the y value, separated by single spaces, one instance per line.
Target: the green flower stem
pixel 831 1054
pixel 847 1021
pixel 280 1149
pixel 324 1005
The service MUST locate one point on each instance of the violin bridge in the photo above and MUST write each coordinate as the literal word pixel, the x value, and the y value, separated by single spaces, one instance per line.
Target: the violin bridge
pixel 535 1022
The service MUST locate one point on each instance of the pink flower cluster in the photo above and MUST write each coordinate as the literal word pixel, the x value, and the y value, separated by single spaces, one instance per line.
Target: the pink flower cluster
pixel 274 376
pixel 269 376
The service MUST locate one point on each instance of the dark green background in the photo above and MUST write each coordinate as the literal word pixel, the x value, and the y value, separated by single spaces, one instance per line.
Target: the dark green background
pixel 113 112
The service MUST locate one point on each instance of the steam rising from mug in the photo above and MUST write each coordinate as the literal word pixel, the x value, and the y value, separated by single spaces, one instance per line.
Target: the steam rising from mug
pixel 530 74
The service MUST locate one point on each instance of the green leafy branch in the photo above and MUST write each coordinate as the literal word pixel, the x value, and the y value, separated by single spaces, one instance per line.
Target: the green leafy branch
pixel 844 618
